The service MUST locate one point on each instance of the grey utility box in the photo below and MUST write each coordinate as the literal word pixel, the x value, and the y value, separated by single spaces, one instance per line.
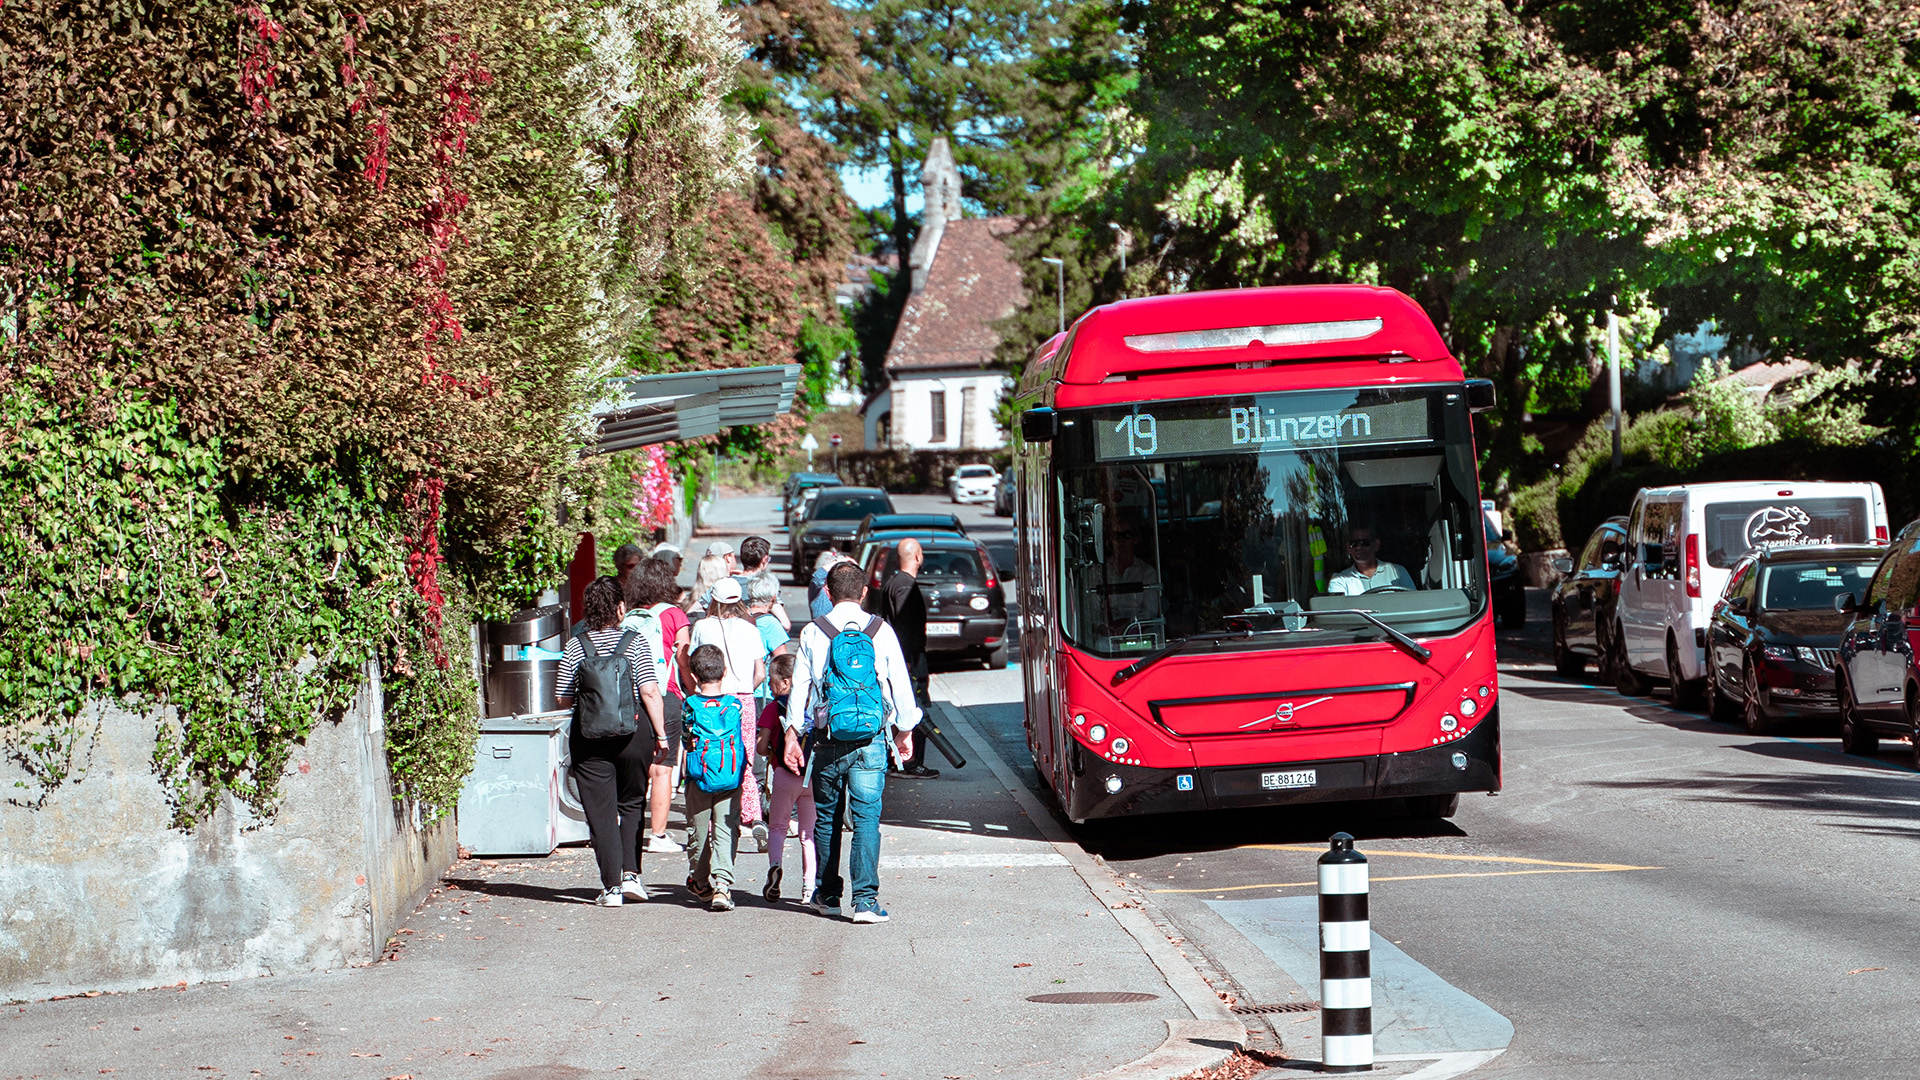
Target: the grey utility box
pixel 511 804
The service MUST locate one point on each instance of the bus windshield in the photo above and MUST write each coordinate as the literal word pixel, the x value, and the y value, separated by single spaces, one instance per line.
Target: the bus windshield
pixel 1254 513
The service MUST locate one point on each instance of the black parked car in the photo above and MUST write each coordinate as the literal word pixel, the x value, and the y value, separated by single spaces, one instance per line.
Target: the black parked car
pixel 1879 683
pixel 797 486
pixel 831 522
pixel 1774 634
pixel 1582 600
pixel 966 609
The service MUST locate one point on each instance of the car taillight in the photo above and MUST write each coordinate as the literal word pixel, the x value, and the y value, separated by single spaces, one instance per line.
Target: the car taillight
pixel 986 567
pixel 1879 534
pixel 1693 564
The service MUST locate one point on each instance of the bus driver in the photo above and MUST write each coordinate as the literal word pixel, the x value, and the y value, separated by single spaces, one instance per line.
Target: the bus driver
pixel 1367 572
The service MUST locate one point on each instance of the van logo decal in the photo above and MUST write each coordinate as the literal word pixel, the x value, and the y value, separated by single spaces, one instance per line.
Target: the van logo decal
pixel 1779 525
pixel 1283 712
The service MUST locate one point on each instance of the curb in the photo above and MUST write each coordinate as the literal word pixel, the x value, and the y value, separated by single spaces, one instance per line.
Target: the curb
pixel 1214 1034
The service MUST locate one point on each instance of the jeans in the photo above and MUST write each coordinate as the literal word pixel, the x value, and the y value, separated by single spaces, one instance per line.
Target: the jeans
pixel 849 777
pixel 713 830
pixel 612 777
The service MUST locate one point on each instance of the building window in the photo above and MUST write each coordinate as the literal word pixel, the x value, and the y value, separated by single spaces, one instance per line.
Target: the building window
pixel 938 398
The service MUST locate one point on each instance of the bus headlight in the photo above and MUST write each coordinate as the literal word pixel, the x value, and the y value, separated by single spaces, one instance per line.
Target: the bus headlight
pixel 1448 723
pixel 1113 785
pixel 1468 707
pixel 1097 733
pixel 1120 745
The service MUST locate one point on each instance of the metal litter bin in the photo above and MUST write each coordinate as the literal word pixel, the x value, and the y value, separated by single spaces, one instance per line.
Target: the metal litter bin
pixel 511 805
pixel 523 661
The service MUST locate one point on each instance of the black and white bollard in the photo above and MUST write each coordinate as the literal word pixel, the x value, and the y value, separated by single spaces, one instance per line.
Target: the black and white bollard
pixel 1346 970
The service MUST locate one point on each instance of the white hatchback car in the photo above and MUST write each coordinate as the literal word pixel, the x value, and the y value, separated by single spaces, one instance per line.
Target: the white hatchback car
pixel 973 483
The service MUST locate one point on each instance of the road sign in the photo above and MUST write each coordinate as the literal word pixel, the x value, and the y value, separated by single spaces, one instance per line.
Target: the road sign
pixel 809 444
pixel 834 439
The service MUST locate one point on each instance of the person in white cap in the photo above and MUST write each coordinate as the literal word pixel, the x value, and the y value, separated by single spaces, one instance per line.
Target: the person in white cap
pixel 731 629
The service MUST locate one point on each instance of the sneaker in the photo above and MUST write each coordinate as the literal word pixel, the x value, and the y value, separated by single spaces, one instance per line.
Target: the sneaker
pixel 722 900
pixel 700 891
pixel 760 835
pixel 920 772
pixel 772 891
pixel 610 898
pixel 824 906
pixel 869 913
pixel 661 843
pixel 632 887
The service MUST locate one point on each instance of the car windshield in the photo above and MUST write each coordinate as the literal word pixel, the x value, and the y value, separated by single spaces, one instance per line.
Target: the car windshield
pixel 1180 518
pixel 943 566
pixel 849 507
pixel 1812 586
pixel 975 472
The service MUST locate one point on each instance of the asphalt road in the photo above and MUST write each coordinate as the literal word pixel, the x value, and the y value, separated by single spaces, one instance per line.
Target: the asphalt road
pixel 1653 895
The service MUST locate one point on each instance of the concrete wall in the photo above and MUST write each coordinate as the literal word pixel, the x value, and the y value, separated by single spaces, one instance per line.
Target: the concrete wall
pixel 98 893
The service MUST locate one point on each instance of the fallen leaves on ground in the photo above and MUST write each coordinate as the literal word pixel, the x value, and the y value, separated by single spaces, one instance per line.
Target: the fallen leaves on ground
pixel 1243 1064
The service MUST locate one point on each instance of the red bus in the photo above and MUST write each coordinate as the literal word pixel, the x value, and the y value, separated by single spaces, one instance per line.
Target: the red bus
pixel 1252 559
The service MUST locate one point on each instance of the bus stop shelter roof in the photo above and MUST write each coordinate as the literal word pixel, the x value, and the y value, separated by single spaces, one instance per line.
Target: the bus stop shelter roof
pixel 648 409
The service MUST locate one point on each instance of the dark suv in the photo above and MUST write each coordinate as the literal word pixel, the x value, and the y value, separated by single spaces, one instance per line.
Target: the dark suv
pixel 966 609
pixel 1879 684
pixel 892 528
pixel 831 522
pixel 1774 634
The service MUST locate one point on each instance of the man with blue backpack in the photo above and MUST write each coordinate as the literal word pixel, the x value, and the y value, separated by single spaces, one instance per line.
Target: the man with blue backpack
pixel 852 704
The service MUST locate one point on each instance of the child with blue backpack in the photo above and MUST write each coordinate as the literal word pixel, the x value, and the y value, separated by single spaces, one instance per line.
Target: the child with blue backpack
pixel 716 765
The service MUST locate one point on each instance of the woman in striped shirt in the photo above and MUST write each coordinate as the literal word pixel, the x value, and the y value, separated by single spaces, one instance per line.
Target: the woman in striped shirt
pixel 612 773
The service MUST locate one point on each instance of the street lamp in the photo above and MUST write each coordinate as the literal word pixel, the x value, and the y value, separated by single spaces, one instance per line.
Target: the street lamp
pixel 1060 267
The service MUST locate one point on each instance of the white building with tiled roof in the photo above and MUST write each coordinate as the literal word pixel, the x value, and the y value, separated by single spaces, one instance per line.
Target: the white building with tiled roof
pixel 942 381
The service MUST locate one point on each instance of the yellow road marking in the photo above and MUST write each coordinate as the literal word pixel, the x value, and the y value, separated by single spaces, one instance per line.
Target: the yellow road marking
pixel 1419 877
pixel 1311 849
pixel 1547 866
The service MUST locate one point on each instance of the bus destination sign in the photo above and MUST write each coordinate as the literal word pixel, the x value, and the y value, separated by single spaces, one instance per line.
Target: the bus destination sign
pixel 1269 422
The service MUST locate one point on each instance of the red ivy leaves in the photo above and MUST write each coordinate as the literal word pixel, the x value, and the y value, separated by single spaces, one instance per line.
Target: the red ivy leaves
pixel 423 557
pixel 256 71
pixel 441 218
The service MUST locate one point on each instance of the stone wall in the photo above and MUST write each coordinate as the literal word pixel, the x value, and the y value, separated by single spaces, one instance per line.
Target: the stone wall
pixel 97 892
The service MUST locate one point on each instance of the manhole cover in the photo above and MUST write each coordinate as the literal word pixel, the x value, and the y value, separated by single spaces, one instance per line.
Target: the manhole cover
pixel 1283 1007
pixel 1097 997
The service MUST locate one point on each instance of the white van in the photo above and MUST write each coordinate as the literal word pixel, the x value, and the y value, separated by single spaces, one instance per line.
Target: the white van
pixel 1683 541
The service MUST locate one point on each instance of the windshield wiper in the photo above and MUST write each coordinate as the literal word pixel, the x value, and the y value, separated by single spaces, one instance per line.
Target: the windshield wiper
pixel 1180 644
pixel 1413 648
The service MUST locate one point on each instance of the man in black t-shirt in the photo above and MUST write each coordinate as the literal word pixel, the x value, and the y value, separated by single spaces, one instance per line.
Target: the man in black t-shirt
pixel 906 611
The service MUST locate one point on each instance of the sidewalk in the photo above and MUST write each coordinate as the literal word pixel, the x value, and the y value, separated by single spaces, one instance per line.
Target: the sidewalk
pixel 509 972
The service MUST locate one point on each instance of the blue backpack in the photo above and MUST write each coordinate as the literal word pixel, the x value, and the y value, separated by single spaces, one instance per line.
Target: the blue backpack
pixel 850 685
pixel 717 756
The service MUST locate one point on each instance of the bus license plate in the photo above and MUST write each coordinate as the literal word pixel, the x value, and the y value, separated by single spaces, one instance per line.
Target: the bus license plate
pixel 943 629
pixel 1276 781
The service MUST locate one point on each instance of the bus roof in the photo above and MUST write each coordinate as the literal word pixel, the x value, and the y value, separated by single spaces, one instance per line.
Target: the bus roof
pixel 1237 327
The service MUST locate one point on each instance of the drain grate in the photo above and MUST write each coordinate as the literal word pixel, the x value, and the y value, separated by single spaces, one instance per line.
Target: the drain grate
pixel 1097 997
pixel 1284 1007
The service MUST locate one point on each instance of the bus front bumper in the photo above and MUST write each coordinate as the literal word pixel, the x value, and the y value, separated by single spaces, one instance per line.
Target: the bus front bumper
pixel 1437 770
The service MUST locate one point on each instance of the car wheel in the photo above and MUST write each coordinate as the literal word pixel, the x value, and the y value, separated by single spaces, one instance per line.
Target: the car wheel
pixel 1686 692
pixel 997 657
pixel 1753 715
pixel 1433 806
pixel 1625 679
pixel 1854 739
pixel 1566 662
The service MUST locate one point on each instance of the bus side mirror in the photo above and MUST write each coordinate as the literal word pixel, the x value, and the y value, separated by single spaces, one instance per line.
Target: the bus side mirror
pixel 1846 603
pixel 1039 425
pixel 1479 395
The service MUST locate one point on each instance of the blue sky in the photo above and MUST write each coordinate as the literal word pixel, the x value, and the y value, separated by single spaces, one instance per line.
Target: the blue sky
pixel 869 188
